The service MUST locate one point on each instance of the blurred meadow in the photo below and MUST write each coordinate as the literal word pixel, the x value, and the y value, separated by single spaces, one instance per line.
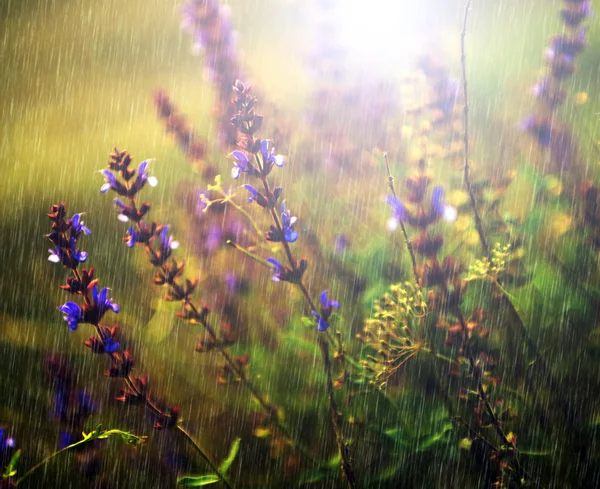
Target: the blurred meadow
pixel 80 77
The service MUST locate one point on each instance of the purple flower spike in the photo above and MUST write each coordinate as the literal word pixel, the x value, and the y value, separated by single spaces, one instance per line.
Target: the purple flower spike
pixel 278 269
pixel 287 221
pixel 110 181
pixel 78 226
pixel 327 307
pixel 241 164
pixel 73 314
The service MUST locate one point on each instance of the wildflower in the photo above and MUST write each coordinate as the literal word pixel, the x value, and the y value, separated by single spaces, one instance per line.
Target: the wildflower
pixel 447 212
pixel 121 205
pixel 78 226
pixel 102 303
pixel 110 182
pixel 132 237
pixel 325 312
pixel 398 213
pixel 269 158
pixel 287 221
pixel 540 128
pixel 167 243
pixel 78 255
pixel 278 269
pixel 143 176
pixel 73 314
pixel 575 13
pixel 241 165
pixel 255 195
pixel 55 255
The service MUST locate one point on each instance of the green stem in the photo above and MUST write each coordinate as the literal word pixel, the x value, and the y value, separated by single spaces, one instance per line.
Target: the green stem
pixel 409 247
pixel 346 464
pixel 47 459
pixel 210 463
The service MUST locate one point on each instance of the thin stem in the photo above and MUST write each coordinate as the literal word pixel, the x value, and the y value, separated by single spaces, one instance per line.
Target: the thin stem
pixel 47 459
pixel 467 180
pixel 409 247
pixel 197 447
pixel 346 464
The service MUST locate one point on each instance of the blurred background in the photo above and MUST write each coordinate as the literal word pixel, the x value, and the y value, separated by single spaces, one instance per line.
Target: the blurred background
pixel 338 82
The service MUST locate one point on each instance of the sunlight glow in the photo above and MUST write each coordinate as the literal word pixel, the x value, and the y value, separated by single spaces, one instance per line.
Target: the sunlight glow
pixel 378 34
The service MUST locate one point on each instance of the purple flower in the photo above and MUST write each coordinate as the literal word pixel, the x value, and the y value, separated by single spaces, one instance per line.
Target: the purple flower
pixel 110 181
pixel 269 157
pixel 73 314
pixel 398 212
pixel 102 302
pixel 441 210
pixel 325 312
pixel 77 255
pixel 110 345
pixel 241 164
pixel 278 269
pixel 254 194
pixel 287 222
pixel 167 242
pixel 78 226
pixel 131 238
pixel 540 128
pixel 143 176
pixel 55 255
pixel 121 205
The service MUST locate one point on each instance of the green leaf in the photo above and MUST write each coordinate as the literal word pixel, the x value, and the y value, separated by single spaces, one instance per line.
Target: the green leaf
pixel 431 439
pixel 10 468
pixel 318 474
pixel 308 322
pixel 197 480
pixel 233 451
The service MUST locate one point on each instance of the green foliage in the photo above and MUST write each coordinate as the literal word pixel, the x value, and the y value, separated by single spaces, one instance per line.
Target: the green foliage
pixel 198 480
pixel 11 470
pixel 209 479
pixel 100 434
pixel 233 451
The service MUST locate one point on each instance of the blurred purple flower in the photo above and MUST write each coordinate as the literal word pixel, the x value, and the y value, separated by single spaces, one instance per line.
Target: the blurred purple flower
pixel 110 181
pixel 287 221
pixel 398 212
pixel 278 269
pixel 325 312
